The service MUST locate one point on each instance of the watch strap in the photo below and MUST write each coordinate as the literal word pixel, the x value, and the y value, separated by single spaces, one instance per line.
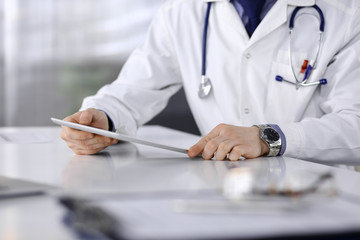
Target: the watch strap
pixel 283 138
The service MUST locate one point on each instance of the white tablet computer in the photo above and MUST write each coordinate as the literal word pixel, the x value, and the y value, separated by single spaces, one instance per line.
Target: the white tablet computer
pixel 119 136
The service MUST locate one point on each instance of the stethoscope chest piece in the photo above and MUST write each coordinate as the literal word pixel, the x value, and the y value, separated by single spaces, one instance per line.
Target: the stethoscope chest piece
pixel 204 87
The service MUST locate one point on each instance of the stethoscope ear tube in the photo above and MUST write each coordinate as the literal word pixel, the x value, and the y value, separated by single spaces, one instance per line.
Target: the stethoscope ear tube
pixel 316 7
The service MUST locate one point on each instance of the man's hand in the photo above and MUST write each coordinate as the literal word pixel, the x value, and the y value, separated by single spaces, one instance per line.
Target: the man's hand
pixel 227 139
pixel 84 142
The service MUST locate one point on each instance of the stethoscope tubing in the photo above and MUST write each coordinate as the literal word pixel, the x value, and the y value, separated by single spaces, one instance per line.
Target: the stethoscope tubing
pixel 317 8
pixel 298 82
pixel 205 86
pixel 206 83
pixel 204 39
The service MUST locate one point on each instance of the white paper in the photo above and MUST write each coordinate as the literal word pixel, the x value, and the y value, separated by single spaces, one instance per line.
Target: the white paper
pixel 23 138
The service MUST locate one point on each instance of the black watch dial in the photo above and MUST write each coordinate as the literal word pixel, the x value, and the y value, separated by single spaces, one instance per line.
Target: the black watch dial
pixel 271 134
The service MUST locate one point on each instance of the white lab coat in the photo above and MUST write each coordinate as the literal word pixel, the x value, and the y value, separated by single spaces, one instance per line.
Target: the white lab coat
pixel 320 123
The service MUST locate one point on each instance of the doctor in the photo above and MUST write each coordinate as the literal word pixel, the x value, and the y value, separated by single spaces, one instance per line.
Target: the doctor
pixel 253 88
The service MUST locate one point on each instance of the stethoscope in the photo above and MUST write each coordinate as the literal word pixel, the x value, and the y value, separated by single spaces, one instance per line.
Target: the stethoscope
pixel 306 69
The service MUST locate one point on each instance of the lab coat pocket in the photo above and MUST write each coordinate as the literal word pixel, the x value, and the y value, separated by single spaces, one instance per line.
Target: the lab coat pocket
pixel 286 103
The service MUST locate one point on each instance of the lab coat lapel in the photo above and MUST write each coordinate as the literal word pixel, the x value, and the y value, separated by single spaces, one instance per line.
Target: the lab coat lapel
pixel 276 17
pixel 226 12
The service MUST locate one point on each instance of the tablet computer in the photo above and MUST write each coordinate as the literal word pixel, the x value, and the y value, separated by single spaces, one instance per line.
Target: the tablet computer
pixel 115 135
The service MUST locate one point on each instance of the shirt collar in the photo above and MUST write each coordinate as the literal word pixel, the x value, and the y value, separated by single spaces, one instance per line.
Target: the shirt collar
pixel 301 3
pixel 290 2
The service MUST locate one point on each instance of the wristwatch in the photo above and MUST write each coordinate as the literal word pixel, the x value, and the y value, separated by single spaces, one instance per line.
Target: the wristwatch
pixel 271 137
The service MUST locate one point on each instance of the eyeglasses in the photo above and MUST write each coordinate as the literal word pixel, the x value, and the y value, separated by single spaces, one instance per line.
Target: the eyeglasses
pixel 242 183
pixel 312 188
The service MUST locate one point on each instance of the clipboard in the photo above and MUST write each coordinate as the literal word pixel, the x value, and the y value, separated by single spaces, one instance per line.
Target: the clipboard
pixel 115 135
pixel 16 188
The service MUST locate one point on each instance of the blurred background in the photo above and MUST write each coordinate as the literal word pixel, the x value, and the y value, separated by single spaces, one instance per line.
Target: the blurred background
pixel 56 52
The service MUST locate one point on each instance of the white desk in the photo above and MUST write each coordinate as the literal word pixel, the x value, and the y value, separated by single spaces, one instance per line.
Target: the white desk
pixel 125 168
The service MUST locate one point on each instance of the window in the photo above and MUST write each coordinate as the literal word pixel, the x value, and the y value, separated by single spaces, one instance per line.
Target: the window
pixel 56 52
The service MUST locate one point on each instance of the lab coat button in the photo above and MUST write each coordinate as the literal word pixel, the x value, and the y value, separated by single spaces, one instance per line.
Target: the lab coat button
pixel 248 56
pixel 246 110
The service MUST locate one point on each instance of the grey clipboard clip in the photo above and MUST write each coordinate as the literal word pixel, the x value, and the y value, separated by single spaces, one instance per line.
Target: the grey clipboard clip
pixel 115 135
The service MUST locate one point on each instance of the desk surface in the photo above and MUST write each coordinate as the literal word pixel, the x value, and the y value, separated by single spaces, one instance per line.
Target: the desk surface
pixel 39 155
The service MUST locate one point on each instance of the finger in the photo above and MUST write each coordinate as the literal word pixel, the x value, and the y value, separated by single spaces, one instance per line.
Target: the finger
pixel 70 133
pixel 211 147
pixel 102 140
pixel 86 117
pixel 224 148
pixel 98 118
pixel 242 151
pixel 90 117
pixel 85 150
pixel 73 118
pixel 95 140
pixel 236 153
pixel 196 149
pixel 97 146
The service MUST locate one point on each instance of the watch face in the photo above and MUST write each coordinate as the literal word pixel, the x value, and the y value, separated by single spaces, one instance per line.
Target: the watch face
pixel 271 135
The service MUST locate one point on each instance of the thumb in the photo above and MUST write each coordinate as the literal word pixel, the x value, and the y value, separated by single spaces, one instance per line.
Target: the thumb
pixel 85 118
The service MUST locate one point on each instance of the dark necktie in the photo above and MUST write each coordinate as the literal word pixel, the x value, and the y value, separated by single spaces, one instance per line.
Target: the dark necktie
pixel 252 9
